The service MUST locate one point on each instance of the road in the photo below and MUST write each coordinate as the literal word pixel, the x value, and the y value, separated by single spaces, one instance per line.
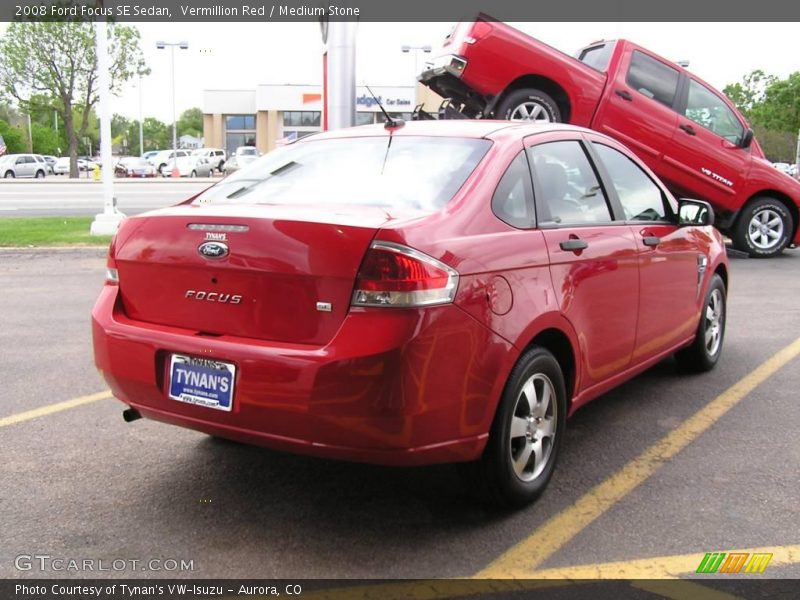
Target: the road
pixel 668 465
pixel 57 196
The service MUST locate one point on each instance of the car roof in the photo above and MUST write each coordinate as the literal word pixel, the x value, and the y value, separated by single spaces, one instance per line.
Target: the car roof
pixel 469 128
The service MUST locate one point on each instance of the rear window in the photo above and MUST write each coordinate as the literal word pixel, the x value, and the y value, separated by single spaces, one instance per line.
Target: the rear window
pixel 653 78
pixel 416 173
pixel 597 57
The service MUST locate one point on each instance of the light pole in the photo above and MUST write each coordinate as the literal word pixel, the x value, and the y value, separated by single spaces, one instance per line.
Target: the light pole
pixel 182 46
pixel 406 49
pixel 141 126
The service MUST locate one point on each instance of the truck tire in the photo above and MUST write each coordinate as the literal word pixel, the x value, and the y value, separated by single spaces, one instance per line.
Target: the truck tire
pixel 529 104
pixel 764 228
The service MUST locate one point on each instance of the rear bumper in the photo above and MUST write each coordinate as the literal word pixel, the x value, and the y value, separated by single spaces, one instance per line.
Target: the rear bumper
pixel 445 78
pixel 394 387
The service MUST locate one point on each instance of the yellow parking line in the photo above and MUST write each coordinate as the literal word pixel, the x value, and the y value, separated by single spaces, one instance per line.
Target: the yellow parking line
pixel 523 558
pixel 53 408
pixel 680 590
pixel 662 567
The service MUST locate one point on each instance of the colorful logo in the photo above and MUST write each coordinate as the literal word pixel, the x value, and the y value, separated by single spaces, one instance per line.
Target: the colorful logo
pixel 734 562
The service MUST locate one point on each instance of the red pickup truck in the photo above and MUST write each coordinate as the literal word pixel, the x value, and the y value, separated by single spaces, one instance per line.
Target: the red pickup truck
pixel 690 134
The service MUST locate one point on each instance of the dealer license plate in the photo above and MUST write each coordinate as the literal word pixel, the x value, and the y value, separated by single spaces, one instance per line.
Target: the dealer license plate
pixel 201 381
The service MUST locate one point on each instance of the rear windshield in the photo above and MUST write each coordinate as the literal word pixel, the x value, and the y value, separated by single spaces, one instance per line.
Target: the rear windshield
pixel 417 173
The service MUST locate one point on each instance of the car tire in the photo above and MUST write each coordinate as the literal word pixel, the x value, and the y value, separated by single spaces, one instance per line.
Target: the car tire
pixel 39 174
pixel 764 228
pixel 526 434
pixel 9 175
pixel 529 105
pixel 160 167
pixel 193 174
pixel 706 348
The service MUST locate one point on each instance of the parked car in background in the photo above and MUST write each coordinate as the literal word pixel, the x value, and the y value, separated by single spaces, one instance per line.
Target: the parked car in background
pixel 61 166
pixel 462 287
pixel 87 163
pixel 161 158
pixel 133 166
pixel 243 156
pixel 23 165
pixel 149 154
pixel 216 156
pixel 689 133
pixel 51 162
pixel 189 166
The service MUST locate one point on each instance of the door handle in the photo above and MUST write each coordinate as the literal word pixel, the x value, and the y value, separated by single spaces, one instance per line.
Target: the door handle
pixel 624 95
pixel 651 240
pixel 574 245
pixel 688 129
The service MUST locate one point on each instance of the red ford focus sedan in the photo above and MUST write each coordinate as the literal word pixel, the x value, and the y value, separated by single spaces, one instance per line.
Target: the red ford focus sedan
pixel 423 293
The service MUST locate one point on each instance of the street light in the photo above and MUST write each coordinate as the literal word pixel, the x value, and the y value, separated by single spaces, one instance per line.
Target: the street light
pixel 406 49
pixel 182 46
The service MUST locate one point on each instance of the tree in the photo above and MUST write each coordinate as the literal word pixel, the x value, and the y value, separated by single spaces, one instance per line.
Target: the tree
pixel 45 140
pixel 772 106
pixel 191 122
pixel 14 138
pixel 156 134
pixel 59 59
pixel 749 94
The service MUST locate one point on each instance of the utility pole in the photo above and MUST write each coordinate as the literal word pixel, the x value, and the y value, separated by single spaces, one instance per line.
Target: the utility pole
pixel 107 222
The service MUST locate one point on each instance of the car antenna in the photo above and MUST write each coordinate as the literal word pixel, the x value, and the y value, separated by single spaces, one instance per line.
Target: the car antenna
pixel 390 123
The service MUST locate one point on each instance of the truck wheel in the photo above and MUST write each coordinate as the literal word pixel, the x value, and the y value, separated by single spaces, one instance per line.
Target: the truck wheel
pixel 529 105
pixel 526 435
pixel 764 228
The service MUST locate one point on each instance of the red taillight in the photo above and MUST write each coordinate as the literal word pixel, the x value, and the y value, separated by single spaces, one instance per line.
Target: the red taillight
pixel 112 275
pixel 396 275
pixel 479 31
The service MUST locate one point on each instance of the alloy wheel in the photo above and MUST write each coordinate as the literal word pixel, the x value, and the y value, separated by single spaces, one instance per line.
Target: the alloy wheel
pixel 530 111
pixel 765 229
pixel 714 316
pixel 533 427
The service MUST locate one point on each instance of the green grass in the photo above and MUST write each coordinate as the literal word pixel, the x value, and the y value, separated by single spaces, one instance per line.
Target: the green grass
pixel 49 231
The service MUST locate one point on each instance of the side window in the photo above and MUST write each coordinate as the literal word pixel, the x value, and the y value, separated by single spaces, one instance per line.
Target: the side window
pixel 512 201
pixel 567 188
pixel 641 199
pixel 705 108
pixel 652 78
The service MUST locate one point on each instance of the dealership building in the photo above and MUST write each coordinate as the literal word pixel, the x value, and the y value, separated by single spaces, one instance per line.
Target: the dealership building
pixel 265 116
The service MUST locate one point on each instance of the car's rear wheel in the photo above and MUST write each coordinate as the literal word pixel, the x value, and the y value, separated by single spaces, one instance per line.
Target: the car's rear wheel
pixel 39 174
pixel 529 105
pixel 526 435
pixel 706 349
pixel 193 174
pixel 9 175
pixel 764 228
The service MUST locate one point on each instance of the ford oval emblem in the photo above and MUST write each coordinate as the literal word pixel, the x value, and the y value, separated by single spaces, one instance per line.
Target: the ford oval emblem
pixel 213 250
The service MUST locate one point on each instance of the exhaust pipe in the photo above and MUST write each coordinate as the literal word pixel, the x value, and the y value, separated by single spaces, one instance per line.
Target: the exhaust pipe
pixel 130 415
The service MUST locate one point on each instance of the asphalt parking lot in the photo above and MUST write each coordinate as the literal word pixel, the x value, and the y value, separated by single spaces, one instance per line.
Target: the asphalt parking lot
pixel 654 475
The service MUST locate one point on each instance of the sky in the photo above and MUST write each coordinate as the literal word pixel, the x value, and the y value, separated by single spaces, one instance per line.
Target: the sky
pixel 243 55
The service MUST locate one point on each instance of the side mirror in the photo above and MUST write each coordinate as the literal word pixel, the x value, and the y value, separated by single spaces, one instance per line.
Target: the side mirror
pixel 695 212
pixel 747 139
